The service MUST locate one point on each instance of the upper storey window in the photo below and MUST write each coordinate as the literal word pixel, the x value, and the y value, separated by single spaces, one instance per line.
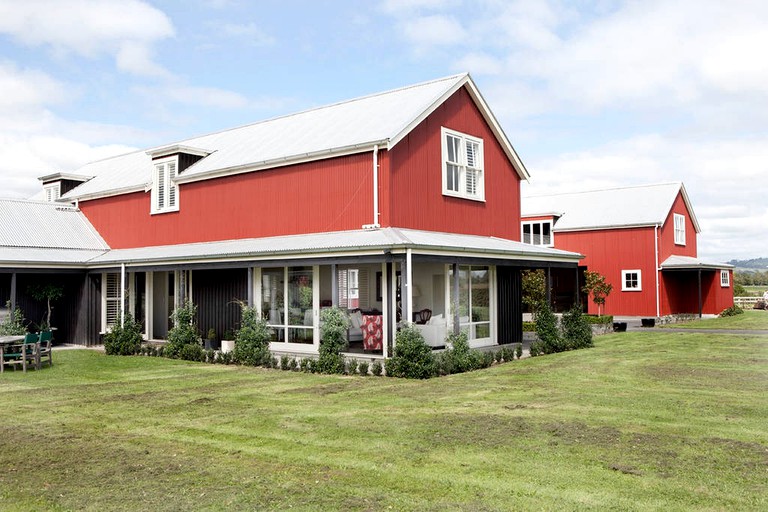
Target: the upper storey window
pixel 538 233
pixel 165 194
pixel 463 166
pixel 679 229
pixel 52 192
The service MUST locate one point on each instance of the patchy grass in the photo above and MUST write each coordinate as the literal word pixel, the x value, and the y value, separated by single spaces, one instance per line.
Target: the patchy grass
pixel 643 421
pixel 752 319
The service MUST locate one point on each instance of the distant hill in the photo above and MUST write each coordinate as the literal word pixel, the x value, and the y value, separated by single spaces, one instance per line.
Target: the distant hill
pixel 753 264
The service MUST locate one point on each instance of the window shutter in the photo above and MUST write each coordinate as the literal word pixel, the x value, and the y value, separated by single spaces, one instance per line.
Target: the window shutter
pixel 160 186
pixel 362 291
pixel 113 299
pixel 342 285
pixel 472 150
pixel 471 182
pixel 171 184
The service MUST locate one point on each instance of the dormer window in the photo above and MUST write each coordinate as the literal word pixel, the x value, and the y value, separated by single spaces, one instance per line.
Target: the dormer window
pixel 52 192
pixel 165 194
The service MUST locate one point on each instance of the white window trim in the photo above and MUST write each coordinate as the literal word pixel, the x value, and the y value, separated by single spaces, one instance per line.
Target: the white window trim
pixel 624 286
pixel 725 279
pixel 52 192
pixel 679 232
pixel 169 182
pixel 480 195
pixel 541 232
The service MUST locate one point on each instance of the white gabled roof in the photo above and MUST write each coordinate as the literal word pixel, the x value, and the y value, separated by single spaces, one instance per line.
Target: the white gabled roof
pixel 645 205
pixel 376 241
pixel 45 225
pixel 347 127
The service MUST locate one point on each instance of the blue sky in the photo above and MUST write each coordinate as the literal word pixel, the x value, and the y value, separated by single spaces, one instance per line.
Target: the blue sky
pixel 592 94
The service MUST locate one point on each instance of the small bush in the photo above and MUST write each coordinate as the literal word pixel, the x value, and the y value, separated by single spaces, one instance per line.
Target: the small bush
pixel 293 365
pixel 351 367
pixel 486 359
pixel 210 356
pixel 284 361
pixel 460 357
pixel 577 332
pixel 252 339
pixel 497 356
pixel 333 341
pixel 598 319
pixel 124 340
pixel 13 325
pixel 529 326
pixel 184 332
pixel 413 358
pixel 191 352
pixel 732 311
pixel 363 368
pixel 377 368
pixel 304 365
pixel 519 350
pixel 547 332
pixel 508 354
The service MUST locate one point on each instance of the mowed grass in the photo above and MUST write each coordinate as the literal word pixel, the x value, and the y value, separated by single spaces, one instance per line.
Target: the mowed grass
pixel 643 421
pixel 752 319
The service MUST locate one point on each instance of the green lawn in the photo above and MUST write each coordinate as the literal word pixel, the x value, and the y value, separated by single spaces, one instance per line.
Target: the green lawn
pixel 752 319
pixel 643 421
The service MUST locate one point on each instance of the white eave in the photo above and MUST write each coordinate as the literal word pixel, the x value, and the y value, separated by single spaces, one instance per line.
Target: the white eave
pixel 174 149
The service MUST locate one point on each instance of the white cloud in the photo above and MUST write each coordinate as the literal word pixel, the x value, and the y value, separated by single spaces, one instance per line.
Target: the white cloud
pixel 434 30
pixel 250 32
pixel 125 29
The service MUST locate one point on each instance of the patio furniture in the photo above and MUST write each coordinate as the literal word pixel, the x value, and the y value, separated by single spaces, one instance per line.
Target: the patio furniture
pixel 44 350
pixel 422 317
pixel 21 353
pixel 372 333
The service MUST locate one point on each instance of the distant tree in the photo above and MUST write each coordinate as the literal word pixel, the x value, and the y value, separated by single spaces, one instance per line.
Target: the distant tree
pixel 534 288
pixel 46 293
pixel 595 285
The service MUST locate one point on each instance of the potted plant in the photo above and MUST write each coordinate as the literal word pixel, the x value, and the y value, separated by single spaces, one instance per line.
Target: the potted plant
pixel 228 341
pixel 210 340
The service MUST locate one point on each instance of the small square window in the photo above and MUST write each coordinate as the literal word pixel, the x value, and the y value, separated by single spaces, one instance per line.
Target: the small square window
pixel 631 281
pixel 538 233
pixel 725 278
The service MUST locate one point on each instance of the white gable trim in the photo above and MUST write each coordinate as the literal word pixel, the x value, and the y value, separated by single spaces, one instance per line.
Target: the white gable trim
pixel 474 93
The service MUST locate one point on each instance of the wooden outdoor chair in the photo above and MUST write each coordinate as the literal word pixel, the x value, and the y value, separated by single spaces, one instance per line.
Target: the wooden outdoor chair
pixel 44 351
pixel 23 354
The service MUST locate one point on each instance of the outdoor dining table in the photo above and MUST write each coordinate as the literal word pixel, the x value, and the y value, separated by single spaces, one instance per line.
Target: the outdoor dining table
pixel 6 341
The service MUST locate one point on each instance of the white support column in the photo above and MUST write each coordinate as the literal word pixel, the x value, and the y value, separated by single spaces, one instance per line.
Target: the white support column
pixel 387 310
pixel 149 304
pixel 409 286
pixel 122 294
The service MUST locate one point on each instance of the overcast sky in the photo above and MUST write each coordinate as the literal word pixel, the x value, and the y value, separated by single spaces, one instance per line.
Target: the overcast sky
pixel 592 94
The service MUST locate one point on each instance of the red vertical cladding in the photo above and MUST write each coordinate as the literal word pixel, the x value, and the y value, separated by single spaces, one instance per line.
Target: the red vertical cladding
pixel 611 251
pixel 416 195
pixel 326 195
pixel 681 292
pixel 667 245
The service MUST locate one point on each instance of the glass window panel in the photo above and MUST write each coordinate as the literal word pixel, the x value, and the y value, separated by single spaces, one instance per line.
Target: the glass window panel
pixel 300 296
pixel 527 233
pixel 298 335
pixel 480 295
pixel 272 289
pixel 452 177
pixel 546 235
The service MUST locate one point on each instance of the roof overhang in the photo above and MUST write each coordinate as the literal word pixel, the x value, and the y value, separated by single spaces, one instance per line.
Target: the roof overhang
pixel 176 149
pixel 688 205
pixel 690 263
pixel 63 176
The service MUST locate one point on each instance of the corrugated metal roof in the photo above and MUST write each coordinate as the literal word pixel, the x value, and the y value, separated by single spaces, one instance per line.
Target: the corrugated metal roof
pixel 38 257
pixel 344 241
pixel 600 209
pixel 44 225
pixel 343 126
pixel 690 263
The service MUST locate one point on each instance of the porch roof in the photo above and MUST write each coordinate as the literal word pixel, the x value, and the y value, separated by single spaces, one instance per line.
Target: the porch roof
pixel 690 263
pixel 355 242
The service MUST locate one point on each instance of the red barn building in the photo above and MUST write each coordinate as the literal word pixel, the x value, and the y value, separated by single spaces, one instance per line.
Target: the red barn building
pixel 642 239
pixel 404 205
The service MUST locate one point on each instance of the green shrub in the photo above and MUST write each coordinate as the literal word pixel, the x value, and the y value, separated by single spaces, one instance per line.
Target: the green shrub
pixel 124 340
pixel 351 367
pixel 577 332
pixel 252 339
pixel 486 359
pixel 547 332
pixel 210 356
pixel 333 340
pixel 225 357
pixel 184 332
pixel 304 365
pixel 413 358
pixel 460 357
pixel 507 354
pixel 376 368
pixel 519 350
pixel 13 325
pixel 191 352
pixel 732 311
pixel 529 326
pixel 363 368
pixel 598 319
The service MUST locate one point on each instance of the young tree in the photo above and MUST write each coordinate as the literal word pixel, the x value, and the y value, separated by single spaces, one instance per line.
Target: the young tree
pixel 596 286
pixel 534 288
pixel 46 293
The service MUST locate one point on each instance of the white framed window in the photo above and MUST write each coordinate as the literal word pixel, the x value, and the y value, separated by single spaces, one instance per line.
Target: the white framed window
pixel 631 281
pixel 538 233
pixel 679 229
pixel 52 192
pixel 110 300
pixel 165 193
pixel 725 278
pixel 463 166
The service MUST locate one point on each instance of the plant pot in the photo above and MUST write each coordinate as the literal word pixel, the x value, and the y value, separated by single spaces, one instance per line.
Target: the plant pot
pixel 619 326
pixel 648 322
pixel 212 345
pixel 227 345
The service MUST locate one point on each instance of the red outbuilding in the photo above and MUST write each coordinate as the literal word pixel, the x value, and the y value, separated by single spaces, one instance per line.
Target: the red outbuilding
pixel 642 239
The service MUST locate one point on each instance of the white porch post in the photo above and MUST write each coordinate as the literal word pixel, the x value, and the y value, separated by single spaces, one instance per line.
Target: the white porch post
pixel 387 310
pixel 149 304
pixel 408 286
pixel 122 294
pixel 249 280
